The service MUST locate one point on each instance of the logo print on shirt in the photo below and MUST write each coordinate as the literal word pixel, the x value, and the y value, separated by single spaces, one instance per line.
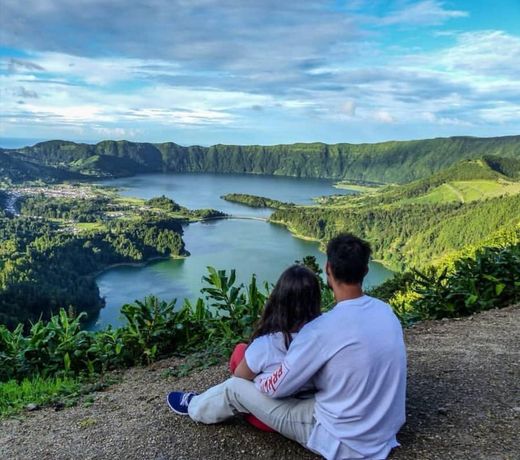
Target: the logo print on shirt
pixel 270 384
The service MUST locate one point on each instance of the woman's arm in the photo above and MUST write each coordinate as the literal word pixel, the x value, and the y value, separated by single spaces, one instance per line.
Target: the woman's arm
pixel 243 371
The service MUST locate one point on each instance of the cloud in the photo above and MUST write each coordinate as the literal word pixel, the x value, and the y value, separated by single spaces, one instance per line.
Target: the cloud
pixel 116 133
pixel 427 12
pixel 485 53
pixel 23 65
pixel 348 108
pixel 236 65
pixel 232 35
pixel 384 117
pixel 25 93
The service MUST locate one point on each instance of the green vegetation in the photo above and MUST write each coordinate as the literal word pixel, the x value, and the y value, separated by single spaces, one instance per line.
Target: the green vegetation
pixel 50 254
pixel 223 316
pixel 43 268
pixel 64 236
pixel 164 203
pixel 358 187
pixel 16 169
pixel 409 235
pixel 454 234
pixel 56 355
pixel 488 279
pixel 167 204
pixel 255 201
pixel 51 362
pixel 419 223
pixel 388 162
pixel 82 210
pixel 40 391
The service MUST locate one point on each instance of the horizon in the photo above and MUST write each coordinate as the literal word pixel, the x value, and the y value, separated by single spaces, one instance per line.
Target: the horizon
pixel 17 143
pixel 259 73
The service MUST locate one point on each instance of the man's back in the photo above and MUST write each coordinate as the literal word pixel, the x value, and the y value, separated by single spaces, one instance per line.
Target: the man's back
pixel 362 387
pixel 356 358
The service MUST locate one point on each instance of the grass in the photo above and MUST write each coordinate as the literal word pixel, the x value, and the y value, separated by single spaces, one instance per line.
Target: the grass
pixel 442 194
pixel 66 391
pixel 466 191
pixel 479 189
pixel 357 187
pixel 15 396
pixel 131 201
pixel 88 226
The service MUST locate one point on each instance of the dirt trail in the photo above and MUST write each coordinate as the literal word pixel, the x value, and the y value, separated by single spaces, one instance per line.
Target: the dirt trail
pixel 463 403
pixel 457 192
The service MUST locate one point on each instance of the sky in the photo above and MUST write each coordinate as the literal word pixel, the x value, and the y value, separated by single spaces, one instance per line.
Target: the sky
pixel 258 72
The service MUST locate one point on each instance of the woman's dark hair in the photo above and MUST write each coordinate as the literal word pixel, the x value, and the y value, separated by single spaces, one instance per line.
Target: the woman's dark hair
pixel 294 301
pixel 348 257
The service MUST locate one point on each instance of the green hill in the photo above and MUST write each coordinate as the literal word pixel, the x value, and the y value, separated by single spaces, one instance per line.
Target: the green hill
pixel 388 162
pixel 411 234
pixel 16 169
pixel 509 167
pixel 421 222
pixel 465 181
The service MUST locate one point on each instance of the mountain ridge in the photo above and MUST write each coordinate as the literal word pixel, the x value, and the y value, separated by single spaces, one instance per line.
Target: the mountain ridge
pixel 388 162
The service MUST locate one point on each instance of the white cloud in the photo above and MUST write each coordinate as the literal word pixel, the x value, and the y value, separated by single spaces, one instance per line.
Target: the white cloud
pixel 300 61
pixel 348 108
pixel 430 12
pixel 117 133
pixel 23 65
pixel 383 116
pixel 485 53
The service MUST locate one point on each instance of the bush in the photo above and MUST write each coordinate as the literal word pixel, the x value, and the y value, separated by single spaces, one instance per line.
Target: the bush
pixel 224 316
pixel 489 279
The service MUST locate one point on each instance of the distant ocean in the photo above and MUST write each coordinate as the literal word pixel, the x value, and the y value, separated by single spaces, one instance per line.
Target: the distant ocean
pixel 17 142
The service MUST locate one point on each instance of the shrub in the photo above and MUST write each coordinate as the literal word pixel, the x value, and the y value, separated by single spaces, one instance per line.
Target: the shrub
pixel 489 279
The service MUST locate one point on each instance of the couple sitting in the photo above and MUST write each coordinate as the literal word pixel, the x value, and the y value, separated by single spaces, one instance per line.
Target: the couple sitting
pixel 352 358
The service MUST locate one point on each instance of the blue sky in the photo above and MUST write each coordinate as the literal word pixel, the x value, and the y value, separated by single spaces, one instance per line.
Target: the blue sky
pixel 258 72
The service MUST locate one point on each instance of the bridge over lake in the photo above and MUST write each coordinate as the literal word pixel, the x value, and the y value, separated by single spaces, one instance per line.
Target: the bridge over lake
pixel 232 216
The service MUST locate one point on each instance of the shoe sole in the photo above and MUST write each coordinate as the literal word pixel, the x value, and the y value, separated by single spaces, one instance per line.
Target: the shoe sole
pixel 173 409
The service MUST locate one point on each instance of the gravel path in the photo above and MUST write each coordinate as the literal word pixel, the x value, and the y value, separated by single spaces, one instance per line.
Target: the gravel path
pixel 463 403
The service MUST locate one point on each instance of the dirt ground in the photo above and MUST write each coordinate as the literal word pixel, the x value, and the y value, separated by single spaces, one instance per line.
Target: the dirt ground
pixel 463 403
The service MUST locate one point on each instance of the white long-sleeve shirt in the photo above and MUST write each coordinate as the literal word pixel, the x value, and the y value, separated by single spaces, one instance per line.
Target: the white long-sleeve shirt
pixel 265 354
pixel 356 358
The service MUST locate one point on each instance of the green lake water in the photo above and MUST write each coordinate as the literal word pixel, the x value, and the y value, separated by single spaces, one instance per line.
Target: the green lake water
pixel 249 246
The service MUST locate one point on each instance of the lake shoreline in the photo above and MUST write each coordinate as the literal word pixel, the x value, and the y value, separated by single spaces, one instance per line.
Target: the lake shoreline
pixel 321 247
pixel 144 263
pixel 234 241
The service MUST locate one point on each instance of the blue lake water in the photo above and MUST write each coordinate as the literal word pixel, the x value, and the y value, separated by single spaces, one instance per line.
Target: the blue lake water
pixel 248 246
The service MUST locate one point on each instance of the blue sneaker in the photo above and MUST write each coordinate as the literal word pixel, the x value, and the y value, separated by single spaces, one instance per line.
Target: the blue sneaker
pixel 178 401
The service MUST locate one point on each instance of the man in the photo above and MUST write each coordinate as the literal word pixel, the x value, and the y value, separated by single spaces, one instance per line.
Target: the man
pixel 354 355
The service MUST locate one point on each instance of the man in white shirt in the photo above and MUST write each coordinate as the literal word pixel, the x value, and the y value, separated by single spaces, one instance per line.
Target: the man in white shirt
pixel 355 357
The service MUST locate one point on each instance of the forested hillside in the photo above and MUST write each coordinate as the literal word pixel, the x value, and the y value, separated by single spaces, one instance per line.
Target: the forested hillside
pixel 50 253
pixel 388 162
pixel 411 235
pixel 422 222
pixel 14 168
pixel 65 234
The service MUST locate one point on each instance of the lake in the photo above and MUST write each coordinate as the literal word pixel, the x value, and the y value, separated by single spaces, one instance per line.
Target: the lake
pixel 249 246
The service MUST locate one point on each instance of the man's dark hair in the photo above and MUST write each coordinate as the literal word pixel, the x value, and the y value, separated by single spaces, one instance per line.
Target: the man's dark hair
pixel 348 258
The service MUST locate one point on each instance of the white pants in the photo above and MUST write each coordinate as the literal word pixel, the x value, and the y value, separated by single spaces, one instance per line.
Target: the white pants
pixel 291 417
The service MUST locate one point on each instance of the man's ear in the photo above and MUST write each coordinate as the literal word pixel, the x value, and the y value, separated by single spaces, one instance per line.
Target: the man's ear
pixel 330 276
